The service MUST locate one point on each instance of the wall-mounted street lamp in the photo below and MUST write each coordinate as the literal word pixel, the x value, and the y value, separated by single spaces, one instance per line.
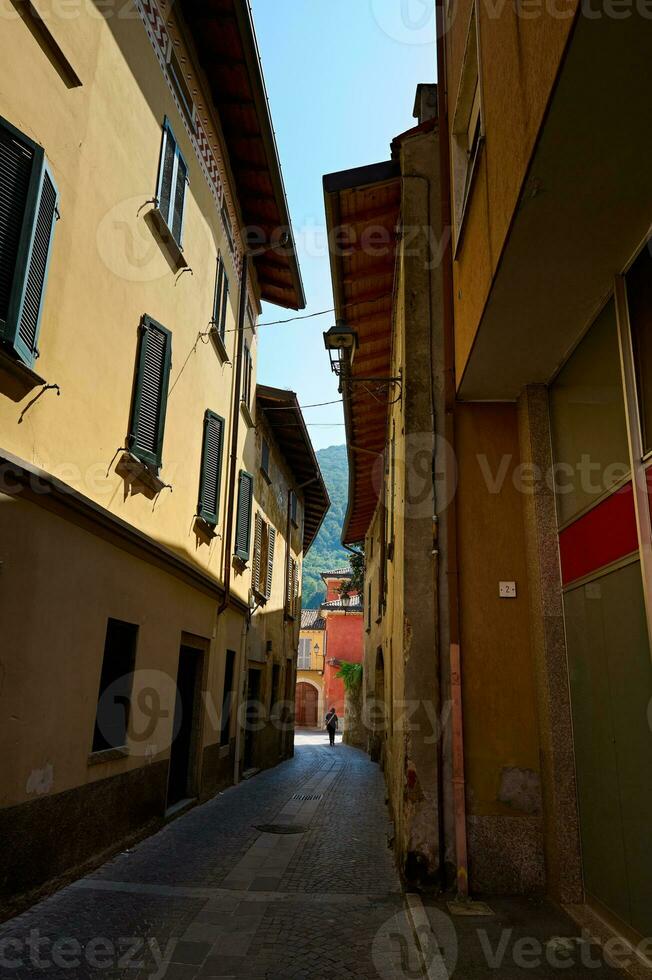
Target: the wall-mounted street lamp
pixel 342 342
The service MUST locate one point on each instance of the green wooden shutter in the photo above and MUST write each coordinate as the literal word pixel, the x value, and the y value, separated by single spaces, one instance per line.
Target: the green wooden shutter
pixel 151 392
pixel 28 212
pixel 225 303
pixel 258 556
pixel 243 520
pixel 271 543
pixel 179 200
pixel 211 468
pixel 217 295
pixel 291 588
pixel 166 172
pixel 171 184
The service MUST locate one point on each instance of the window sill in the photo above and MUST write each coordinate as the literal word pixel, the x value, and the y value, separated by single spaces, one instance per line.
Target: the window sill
pixel 261 600
pixel 107 755
pixel 246 414
pixel 20 372
pixel 168 240
pixel 207 530
pixel 131 466
pixel 219 345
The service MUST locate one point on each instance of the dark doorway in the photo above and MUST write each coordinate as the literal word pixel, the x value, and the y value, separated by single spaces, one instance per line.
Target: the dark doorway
pixel 253 707
pixel 186 726
pixel 227 696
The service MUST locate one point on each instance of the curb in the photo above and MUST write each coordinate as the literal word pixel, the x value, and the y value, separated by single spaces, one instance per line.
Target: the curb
pixel 434 967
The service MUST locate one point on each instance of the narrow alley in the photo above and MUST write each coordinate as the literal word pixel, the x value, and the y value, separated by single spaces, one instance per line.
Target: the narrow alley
pixel 215 895
pixel 223 892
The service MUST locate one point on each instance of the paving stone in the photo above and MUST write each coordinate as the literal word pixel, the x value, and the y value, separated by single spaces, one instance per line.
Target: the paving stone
pixel 191 952
pixel 304 906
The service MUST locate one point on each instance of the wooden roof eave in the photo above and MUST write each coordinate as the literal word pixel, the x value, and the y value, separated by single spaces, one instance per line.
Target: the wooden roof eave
pixel 365 426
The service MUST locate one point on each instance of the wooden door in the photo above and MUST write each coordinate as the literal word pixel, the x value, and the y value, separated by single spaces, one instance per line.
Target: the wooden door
pixel 306 705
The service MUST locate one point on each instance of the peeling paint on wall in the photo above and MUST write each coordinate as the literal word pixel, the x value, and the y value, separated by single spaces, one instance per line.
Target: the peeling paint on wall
pixel 520 789
pixel 40 781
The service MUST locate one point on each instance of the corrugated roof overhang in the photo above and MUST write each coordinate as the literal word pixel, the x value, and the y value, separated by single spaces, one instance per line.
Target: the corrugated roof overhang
pixel 362 211
pixel 284 417
pixel 225 40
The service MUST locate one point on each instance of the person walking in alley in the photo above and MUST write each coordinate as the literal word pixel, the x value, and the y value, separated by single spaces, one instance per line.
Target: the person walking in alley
pixel 331 725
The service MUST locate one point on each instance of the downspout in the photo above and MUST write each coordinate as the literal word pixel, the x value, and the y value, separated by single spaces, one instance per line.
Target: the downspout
pixel 233 461
pixel 457 734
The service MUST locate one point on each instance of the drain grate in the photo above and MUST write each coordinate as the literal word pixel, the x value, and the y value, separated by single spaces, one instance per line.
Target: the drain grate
pixel 281 828
pixel 304 797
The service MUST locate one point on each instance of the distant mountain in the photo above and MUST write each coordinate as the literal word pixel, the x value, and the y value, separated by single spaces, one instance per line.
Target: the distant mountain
pixel 327 553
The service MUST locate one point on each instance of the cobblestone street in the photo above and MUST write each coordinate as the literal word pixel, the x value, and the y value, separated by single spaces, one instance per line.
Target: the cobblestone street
pixel 213 896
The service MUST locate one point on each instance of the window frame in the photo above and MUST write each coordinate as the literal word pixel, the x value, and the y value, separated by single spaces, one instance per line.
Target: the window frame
pixel 134 630
pixel 211 517
pixel 10 328
pixel 220 298
pixel 305 655
pixel 467 138
pixel 168 219
pixel 294 509
pixel 154 460
pixel 247 378
pixel 240 553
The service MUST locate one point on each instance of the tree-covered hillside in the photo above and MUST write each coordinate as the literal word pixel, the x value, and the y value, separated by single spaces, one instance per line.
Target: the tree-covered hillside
pixel 327 552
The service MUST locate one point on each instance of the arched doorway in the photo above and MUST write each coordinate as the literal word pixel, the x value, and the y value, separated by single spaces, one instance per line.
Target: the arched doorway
pixel 306 706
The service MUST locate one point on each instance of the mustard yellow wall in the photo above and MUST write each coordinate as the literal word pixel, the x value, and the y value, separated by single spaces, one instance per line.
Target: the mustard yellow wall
pixel 317 659
pixel 269 623
pixel 500 721
pixel 51 654
pixel 519 57
pixel 102 141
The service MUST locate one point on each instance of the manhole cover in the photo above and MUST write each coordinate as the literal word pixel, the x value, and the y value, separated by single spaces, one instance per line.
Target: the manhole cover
pixel 281 828
pixel 304 797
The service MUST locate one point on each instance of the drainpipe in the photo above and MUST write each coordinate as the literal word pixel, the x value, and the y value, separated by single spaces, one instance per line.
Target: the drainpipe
pixel 233 462
pixel 457 734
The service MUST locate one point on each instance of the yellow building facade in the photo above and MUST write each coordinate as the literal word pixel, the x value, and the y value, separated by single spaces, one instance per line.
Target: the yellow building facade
pixel 546 324
pixel 392 297
pixel 130 458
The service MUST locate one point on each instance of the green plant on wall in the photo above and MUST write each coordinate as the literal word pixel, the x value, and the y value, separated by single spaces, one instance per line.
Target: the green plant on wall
pixel 351 675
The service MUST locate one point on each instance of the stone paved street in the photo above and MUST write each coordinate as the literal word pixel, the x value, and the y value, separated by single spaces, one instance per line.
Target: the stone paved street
pixel 212 896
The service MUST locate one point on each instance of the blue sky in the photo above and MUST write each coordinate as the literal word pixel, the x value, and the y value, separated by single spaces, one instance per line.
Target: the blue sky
pixel 341 77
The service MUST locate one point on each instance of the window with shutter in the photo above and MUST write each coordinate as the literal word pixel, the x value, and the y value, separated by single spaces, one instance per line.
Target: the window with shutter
pixel 247 369
pixel 228 227
pixel 294 508
pixel 258 557
pixel 243 519
pixel 221 298
pixel 211 468
pixel 172 181
pixel 28 212
pixel 151 392
pixel 291 600
pixel 271 543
